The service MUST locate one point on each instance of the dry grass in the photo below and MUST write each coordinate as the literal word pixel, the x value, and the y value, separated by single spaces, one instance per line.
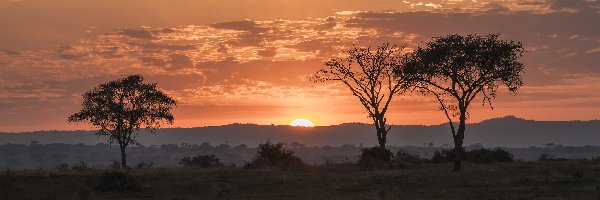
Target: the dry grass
pixel 520 180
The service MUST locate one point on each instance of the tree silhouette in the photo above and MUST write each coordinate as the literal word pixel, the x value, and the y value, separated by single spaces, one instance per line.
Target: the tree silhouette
pixel 119 108
pixel 456 69
pixel 369 74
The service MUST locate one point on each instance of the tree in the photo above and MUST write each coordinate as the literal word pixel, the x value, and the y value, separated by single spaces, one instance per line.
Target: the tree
pixel 369 75
pixel 271 154
pixel 456 69
pixel 121 107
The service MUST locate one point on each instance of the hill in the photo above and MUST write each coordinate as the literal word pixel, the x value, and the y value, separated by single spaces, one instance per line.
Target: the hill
pixel 507 131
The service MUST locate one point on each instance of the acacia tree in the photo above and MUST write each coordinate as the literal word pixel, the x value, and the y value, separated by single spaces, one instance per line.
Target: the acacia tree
pixel 369 75
pixel 457 69
pixel 121 107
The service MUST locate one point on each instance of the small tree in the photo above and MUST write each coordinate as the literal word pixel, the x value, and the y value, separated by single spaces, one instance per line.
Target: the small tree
pixel 275 155
pixel 119 108
pixel 204 161
pixel 369 75
pixel 456 69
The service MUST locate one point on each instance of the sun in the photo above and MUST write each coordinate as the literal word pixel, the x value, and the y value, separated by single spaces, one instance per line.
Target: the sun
pixel 302 122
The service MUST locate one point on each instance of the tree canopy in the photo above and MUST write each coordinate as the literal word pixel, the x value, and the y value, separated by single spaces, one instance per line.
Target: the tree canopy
pixel 369 74
pixel 457 69
pixel 119 108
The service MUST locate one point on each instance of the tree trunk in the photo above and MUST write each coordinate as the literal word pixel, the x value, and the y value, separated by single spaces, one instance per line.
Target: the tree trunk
pixel 458 142
pixel 381 131
pixel 123 157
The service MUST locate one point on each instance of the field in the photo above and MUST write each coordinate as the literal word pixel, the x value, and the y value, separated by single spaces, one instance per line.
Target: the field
pixel 519 180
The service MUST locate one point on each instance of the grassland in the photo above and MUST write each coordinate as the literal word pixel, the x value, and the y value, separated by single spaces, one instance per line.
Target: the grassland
pixel 518 180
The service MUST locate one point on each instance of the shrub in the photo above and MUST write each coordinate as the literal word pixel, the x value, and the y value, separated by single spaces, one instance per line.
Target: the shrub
pixel 117 181
pixel 145 165
pixel 115 165
pixel 62 167
pixel 482 155
pixel 404 157
pixel 206 161
pixel 274 155
pixel 545 157
pixel 81 166
pixel 375 157
pixel 502 155
pixel 443 156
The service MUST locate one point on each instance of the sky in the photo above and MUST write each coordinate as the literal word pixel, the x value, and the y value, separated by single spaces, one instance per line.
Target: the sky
pixel 242 61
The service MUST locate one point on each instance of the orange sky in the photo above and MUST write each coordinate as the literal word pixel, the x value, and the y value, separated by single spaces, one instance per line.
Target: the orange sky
pixel 249 61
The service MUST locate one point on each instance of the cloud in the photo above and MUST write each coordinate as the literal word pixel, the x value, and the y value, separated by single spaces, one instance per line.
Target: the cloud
pixel 180 61
pixel 244 25
pixel 140 33
pixel 264 64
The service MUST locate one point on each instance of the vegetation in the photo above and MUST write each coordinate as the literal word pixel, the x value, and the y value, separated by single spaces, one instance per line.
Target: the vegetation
pixel 375 157
pixel 571 179
pixel 481 155
pixel 274 155
pixel 119 108
pixel 117 181
pixel 369 75
pixel 456 69
pixel 206 161
pixel 403 157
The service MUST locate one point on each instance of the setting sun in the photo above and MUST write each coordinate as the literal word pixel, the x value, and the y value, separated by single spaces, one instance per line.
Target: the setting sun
pixel 302 122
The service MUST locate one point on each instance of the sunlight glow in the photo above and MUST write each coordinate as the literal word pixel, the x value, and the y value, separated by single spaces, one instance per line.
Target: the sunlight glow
pixel 302 123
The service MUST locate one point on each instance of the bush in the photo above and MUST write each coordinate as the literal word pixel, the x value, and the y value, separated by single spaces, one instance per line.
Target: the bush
pixel 502 155
pixel 115 165
pixel 62 167
pixel 404 157
pixel 145 165
pixel 274 155
pixel 443 156
pixel 375 157
pixel 81 166
pixel 205 161
pixel 482 155
pixel 117 181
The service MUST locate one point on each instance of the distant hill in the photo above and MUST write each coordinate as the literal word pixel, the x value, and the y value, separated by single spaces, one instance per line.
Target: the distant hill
pixel 507 131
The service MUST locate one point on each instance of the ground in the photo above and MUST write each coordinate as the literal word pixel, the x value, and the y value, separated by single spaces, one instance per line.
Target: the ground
pixel 519 180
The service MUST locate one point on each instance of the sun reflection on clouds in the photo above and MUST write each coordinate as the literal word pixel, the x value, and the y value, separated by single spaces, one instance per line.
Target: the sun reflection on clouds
pixel 267 63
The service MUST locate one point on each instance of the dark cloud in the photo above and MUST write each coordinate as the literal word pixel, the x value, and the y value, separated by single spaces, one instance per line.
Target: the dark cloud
pixel 110 52
pixel 11 52
pixel 270 52
pixel 576 5
pixel 168 47
pixel 180 61
pixel 330 22
pixel 136 33
pixel 152 61
pixel 245 25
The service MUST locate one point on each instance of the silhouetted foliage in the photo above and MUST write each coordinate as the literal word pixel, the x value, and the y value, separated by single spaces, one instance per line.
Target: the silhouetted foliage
pixel 206 161
pixel 456 69
pixel 145 165
pixel 482 155
pixel 488 156
pixel 375 157
pixel 117 181
pixel 119 108
pixel 275 155
pixel 115 165
pixel 403 157
pixel 80 166
pixel 369 74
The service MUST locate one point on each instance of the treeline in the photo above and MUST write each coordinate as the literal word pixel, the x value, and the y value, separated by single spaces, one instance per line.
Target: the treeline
pixel 50 156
